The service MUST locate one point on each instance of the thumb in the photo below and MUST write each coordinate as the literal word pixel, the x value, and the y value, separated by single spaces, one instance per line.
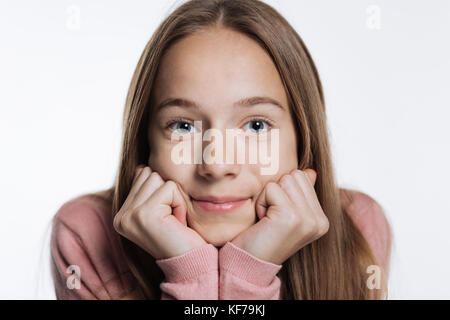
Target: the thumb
pixel 179 205
pixel 271 195
pixel 261 204
pixel 312 175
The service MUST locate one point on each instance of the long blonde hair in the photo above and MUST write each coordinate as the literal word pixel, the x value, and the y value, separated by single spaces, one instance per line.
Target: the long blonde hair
pixel 332 267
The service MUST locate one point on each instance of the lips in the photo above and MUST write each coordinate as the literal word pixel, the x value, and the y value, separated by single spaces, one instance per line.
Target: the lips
pixel 219 199
pixel 218 204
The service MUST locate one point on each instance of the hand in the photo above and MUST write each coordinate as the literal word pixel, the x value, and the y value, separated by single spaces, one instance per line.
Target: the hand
pixel 146 217
pixel 290 218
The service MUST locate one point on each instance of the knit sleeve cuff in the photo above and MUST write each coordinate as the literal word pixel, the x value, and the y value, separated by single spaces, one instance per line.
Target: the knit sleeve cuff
pixel 190 265
pixel 246 266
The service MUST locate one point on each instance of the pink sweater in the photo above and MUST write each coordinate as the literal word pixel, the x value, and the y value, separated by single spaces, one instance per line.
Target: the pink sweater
pixel 83 235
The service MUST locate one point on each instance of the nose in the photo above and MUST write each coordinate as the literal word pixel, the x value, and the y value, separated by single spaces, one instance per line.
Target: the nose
pixel 212 168
pixel 216 171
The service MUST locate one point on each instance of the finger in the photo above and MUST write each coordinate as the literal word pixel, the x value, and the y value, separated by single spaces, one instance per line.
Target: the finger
pixel 294 191
pixel 137 172
pixel 312 175
pixel 271 195
pixel 169 196
pixel 153 182
pixel 185 197
pixel 138 180
pixel 289 184
pixel 303 179
pixel 179 206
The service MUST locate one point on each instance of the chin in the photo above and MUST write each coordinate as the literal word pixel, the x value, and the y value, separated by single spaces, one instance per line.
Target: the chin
pixel 219 238
pixel 218 243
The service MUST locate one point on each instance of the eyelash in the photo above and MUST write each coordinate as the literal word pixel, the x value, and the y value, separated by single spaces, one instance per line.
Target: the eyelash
pixel 176 120
pixel 269 122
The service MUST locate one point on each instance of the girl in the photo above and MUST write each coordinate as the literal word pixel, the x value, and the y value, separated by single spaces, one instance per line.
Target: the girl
pixel 169 230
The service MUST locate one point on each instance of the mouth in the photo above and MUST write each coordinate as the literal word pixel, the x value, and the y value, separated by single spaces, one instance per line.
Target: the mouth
pixel 212 204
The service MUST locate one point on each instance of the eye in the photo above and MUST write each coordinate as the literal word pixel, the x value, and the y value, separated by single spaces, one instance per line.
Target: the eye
pixel 182 126
pixel 257 125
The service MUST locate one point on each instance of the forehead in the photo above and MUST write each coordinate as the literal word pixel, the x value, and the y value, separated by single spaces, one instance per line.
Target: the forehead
pixel 217 66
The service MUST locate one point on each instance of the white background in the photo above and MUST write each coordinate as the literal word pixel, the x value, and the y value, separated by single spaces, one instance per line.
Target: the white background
pixel 63 88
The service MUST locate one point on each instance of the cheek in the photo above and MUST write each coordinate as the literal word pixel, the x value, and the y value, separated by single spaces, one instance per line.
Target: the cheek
pixel 161 162
pixel 288 157
pixel 288 150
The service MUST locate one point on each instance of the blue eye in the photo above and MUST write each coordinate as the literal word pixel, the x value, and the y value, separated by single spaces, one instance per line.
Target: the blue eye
pixel 257 125
pixel 182 126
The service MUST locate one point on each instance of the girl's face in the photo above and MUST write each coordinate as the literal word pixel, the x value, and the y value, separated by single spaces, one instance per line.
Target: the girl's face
pixel 214 69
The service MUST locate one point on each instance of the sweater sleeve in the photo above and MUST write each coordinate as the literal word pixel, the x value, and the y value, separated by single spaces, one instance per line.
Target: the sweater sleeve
pixel 243 276
pixel 85 263
pixel 192 275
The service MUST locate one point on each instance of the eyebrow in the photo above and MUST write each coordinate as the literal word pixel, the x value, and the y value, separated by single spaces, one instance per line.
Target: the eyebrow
pixel 246 102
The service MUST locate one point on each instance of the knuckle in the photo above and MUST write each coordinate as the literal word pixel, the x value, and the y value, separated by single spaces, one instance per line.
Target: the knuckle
pixel 298 175
pixel 136 219
pixel 286 180
pixel 124 222
pixel 271 186
pixel 146 170
pixel 156 178
pixel 121 223
pixel 117 223
pixel 138 169
pixel 309 225
pixel 324 226
pixel 171 184
pixel 154 175
pixel 137 216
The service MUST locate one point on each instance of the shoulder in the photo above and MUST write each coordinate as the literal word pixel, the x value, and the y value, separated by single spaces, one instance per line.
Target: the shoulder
pixel 369 217
pixel 87 219
pixel 83 236
pixel 81 211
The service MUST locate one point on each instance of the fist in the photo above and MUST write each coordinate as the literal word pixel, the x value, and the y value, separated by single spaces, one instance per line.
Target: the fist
pixel 290 217
pixel 154 217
